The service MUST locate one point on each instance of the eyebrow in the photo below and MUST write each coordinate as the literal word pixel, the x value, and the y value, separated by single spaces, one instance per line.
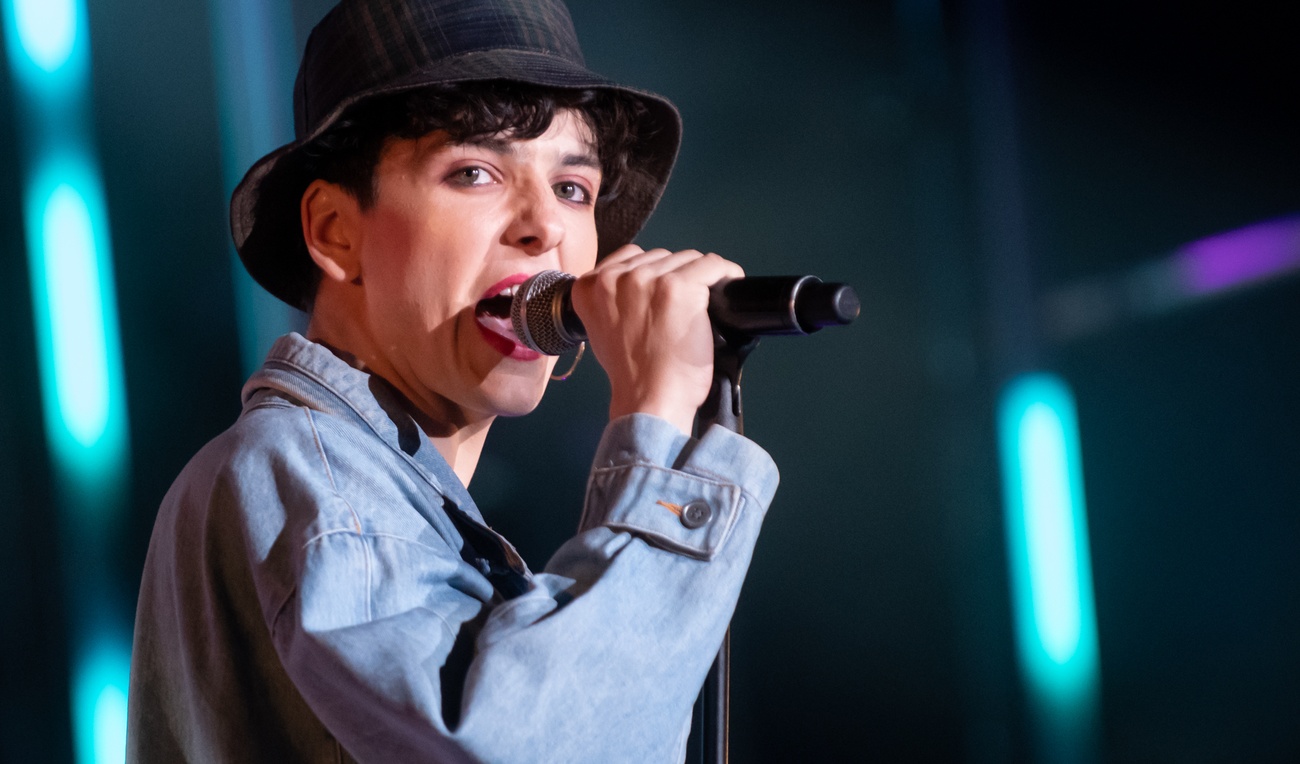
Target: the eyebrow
pixel 585 159
pixel 506 147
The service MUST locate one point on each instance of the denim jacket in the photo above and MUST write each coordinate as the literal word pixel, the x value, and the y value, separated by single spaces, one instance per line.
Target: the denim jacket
pixel 321 587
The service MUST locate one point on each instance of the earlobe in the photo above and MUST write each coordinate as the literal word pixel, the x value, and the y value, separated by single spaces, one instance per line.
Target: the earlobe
pixel 330 218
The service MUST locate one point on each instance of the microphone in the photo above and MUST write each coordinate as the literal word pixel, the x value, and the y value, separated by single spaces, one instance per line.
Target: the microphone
pixel 544 320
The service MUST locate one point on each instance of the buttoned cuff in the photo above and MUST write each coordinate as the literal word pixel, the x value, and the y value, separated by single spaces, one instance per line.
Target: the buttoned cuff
pixel 690 509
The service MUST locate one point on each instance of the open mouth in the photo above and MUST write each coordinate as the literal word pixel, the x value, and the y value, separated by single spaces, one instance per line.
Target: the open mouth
pixel 493 316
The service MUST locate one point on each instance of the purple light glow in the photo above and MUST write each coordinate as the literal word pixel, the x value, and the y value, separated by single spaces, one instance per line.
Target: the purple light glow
pixel 1246 255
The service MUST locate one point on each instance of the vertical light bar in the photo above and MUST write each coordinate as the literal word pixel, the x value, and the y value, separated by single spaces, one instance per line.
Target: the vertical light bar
pixel 1051 572
pixel 253 44
pixel 73 292
pixel 82 383
pixel 99 704
pixel 47 31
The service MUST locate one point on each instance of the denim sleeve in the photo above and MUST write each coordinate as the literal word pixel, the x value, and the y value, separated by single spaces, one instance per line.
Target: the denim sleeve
pixel 599 662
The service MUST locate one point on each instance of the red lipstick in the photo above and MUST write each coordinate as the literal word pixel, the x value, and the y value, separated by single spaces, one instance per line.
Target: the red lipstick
pixel 492 314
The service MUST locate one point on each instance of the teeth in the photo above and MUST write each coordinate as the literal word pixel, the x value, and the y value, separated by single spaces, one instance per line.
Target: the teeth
pixel 510 292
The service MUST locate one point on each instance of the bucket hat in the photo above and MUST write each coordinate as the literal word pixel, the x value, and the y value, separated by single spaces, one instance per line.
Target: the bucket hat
pixel 368 48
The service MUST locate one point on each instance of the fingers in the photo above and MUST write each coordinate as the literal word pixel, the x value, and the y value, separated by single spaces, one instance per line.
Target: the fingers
pixel 709 269
pixel 691 265
pixel 677 282
pixel 619 255
pixel 648 325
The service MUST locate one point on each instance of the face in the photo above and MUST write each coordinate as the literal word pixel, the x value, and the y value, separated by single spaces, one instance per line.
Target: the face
pixel 453 224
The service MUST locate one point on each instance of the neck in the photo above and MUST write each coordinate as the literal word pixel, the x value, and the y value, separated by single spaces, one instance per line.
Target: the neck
pixel 459 439
pixel 461 446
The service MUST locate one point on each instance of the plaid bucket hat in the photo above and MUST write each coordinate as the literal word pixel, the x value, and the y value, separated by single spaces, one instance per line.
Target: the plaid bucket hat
pixel 368 48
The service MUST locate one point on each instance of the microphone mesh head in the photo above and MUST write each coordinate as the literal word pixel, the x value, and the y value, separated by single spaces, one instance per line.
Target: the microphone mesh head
pixel 535 313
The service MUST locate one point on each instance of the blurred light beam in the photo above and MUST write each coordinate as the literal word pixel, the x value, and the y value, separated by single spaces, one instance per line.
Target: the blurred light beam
pixel 77 321
pixel 1049 512
pixel 73 296
pixel 83 396
pixel 1204 269
pixel 47 31
pixel 1047 546
pixel 99 703
pixel 1245 256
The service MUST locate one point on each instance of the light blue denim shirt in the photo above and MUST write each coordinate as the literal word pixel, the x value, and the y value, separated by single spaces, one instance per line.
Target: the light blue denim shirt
pixel 321 587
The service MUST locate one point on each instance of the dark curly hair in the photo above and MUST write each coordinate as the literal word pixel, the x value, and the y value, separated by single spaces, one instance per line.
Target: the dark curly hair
pixel 348 153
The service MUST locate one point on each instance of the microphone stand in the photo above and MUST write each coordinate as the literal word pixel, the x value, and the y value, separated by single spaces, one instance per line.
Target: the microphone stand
pixel 711 717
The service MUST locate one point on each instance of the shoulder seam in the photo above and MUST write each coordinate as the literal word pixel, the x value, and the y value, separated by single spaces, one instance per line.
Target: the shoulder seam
pixel 279 611
pixel 356 518
pixel 329 472
pixel 367 535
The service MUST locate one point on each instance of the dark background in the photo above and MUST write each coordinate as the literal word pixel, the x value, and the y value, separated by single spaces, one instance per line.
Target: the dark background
pixel 953 162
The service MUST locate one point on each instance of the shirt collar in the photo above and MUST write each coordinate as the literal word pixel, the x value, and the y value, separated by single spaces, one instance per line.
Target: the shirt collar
pixel 320 379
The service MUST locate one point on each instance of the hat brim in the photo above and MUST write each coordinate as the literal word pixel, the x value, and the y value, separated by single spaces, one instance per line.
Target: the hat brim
pixel 268 236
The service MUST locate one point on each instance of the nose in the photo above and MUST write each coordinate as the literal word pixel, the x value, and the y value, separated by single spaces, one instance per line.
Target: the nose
pixel 535 225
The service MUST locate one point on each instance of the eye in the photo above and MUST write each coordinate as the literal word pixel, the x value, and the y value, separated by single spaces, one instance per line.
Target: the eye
pixel 573 192
pixel 471 176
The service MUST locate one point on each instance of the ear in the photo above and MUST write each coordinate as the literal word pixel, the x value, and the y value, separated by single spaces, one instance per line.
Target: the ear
pixel 331 227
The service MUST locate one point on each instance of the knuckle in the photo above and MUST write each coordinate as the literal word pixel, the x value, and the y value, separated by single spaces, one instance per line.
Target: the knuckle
pixel 663 301
pixel 639 278
pixel 680 292
pixel 606 281
pixel 673 281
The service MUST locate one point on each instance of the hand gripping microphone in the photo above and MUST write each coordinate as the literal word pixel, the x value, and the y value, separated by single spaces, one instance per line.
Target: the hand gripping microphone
pixel 543 316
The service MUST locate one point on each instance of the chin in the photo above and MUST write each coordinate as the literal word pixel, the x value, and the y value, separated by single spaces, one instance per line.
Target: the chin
pixel 516 408
pixel 515 399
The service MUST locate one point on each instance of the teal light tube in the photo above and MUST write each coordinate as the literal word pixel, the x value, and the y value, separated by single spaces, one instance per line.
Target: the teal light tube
pixel 70 267
pixel 47 31
pixel 99 703
pixel 73 295
pixel 1051 572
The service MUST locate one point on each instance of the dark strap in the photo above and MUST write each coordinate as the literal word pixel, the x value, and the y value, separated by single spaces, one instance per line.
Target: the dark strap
pixel 490 554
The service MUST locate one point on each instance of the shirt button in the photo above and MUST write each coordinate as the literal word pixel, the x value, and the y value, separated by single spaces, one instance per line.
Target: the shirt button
pixel 696 514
